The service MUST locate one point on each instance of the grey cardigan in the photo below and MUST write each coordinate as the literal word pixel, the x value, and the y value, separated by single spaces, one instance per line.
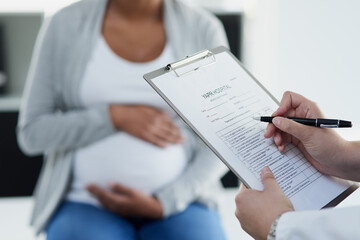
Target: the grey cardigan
pixel 54 122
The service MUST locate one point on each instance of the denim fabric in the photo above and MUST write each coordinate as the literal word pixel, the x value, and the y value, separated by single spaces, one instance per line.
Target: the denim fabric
pixel 78 221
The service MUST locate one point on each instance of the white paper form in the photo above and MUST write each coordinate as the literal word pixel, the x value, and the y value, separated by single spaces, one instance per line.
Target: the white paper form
pixel 219 101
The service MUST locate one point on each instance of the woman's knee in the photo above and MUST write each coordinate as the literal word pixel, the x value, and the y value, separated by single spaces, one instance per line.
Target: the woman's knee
pixel 79 221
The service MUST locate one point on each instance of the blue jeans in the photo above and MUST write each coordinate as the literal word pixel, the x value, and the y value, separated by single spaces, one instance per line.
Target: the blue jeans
pixel 75 221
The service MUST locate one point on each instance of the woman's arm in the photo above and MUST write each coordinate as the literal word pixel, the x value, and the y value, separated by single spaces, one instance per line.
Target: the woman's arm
pixel 44 123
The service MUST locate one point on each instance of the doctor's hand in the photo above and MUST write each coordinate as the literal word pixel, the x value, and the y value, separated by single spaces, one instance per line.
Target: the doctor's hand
pixel 127 202
pixel 322 147
pixel 256 210
pixel 146 123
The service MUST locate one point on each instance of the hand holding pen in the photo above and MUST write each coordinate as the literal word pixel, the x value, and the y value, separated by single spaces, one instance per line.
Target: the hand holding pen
pixel 314 122
pixel 322 147
pixel 310 140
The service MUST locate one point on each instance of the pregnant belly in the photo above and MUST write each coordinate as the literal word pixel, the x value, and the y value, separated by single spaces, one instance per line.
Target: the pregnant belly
pixel 127 160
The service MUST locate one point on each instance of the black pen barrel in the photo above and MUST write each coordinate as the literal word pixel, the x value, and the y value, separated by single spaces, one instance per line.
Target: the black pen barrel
pixel 319 122
pixel 266 119
pixel 305 121
pixel 345 124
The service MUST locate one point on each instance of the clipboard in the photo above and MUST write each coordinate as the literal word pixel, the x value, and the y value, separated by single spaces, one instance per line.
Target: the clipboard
pixel 191 88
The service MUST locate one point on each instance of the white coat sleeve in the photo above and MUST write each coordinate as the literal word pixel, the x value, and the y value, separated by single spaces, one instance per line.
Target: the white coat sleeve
pixel 329 224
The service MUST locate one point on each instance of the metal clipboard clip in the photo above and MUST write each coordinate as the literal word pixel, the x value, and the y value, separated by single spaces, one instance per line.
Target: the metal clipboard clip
pixel 192 63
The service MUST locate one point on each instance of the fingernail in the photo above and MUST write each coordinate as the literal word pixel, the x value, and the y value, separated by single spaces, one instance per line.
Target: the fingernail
pixel 276 138
pixel 276 121
pixel 265 171
pixel 281 148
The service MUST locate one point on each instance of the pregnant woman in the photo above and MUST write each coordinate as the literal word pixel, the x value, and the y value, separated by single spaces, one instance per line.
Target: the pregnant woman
pixel 119 163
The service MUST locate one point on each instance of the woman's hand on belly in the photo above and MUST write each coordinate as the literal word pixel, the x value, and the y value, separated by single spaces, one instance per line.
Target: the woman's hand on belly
pixel 146 123
pixel 127 202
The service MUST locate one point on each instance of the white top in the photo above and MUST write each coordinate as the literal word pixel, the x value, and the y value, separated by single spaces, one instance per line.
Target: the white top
pixel 122 158
pixel 341 222
pixel 330 224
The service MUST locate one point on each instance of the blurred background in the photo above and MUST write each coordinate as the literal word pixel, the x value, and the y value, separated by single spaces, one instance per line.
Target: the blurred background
pixel 310 47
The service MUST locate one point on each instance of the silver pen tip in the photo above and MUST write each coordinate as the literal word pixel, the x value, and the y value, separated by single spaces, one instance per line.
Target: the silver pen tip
pixel 256 118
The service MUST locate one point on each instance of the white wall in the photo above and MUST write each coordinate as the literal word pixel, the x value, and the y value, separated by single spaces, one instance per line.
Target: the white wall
pixel 20 33
pixel 311 47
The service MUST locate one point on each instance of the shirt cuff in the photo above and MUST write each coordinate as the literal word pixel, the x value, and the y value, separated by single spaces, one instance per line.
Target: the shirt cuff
pixel 272 232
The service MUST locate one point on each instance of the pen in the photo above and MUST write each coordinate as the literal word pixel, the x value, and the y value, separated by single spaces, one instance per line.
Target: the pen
pixel 315 122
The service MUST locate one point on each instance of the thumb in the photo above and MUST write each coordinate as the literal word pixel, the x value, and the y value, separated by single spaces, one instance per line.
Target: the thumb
pixel 293 128
pixel 268 179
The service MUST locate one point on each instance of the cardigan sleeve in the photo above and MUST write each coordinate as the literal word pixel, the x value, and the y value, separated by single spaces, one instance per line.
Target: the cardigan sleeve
pixel 330 224
pixel 44 124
